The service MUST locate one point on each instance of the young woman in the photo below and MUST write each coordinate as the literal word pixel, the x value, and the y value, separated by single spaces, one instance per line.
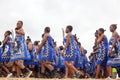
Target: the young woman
pixel 5 54
pixel 118 45
pixel 36 59
pixel 33 63
pixel 94 55
pixel 19 51
pixel 47 52
pixel 78 61
pixel 59 61
pixel 103 55
pixel 70 52
pixel 113 60
pixel 81 56
pixel 118 67
pixel 33 50
pixel 85 66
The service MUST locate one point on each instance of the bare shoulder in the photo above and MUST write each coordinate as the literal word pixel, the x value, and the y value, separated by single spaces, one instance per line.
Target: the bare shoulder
pixel 103 36
pixel 115 34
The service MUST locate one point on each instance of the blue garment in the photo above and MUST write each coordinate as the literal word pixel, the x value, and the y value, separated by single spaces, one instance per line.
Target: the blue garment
pixel 19 51
pixel 55 58
pixel 111 41
pixel 86 64
pixel 118 46
pixel 71 51
pixel 78 61
pixel 103 55
pixel 94 61
pixel 47 50
pixel 39 54
pixel 93 64
pixel 59 60
pixel 34 57
pixel 115 61
pixel 6 54
pixel 0 53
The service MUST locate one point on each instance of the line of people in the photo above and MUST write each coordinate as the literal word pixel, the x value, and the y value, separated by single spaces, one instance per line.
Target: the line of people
pixel 20 57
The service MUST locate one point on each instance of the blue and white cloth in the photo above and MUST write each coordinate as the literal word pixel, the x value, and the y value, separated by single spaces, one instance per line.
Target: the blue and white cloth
pixel 47 50
pixel 71 51
pixel 58 60
pixel 103 55
pixel 78 60
pixel 5 54
pixel 114 61
pixel 19 51
pixel 34 57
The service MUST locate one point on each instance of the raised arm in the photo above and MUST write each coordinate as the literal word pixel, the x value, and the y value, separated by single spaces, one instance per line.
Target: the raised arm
pixel 20 31
pixel 5 40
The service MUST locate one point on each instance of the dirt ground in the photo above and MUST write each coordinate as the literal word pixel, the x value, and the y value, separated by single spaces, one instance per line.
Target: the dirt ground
pixel 46 79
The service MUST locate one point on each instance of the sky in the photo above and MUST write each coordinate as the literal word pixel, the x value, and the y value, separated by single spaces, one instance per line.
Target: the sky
pixel 86 16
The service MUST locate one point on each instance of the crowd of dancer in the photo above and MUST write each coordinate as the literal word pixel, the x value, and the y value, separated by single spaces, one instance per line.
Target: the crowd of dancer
pixel 20 57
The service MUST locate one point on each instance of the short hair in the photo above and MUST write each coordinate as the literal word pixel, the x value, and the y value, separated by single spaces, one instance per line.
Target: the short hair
pixel 102 30
pixel 21 22
pixel 47 29
pixel 70 28
pixel 114 26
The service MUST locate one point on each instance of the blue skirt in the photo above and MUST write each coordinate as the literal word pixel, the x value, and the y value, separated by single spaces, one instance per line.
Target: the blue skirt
pixel 47 56
pixel 70 56
pixel 59 62
pixel 114 62
pixel 33 61
pixel 102 59
pixel 78 61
